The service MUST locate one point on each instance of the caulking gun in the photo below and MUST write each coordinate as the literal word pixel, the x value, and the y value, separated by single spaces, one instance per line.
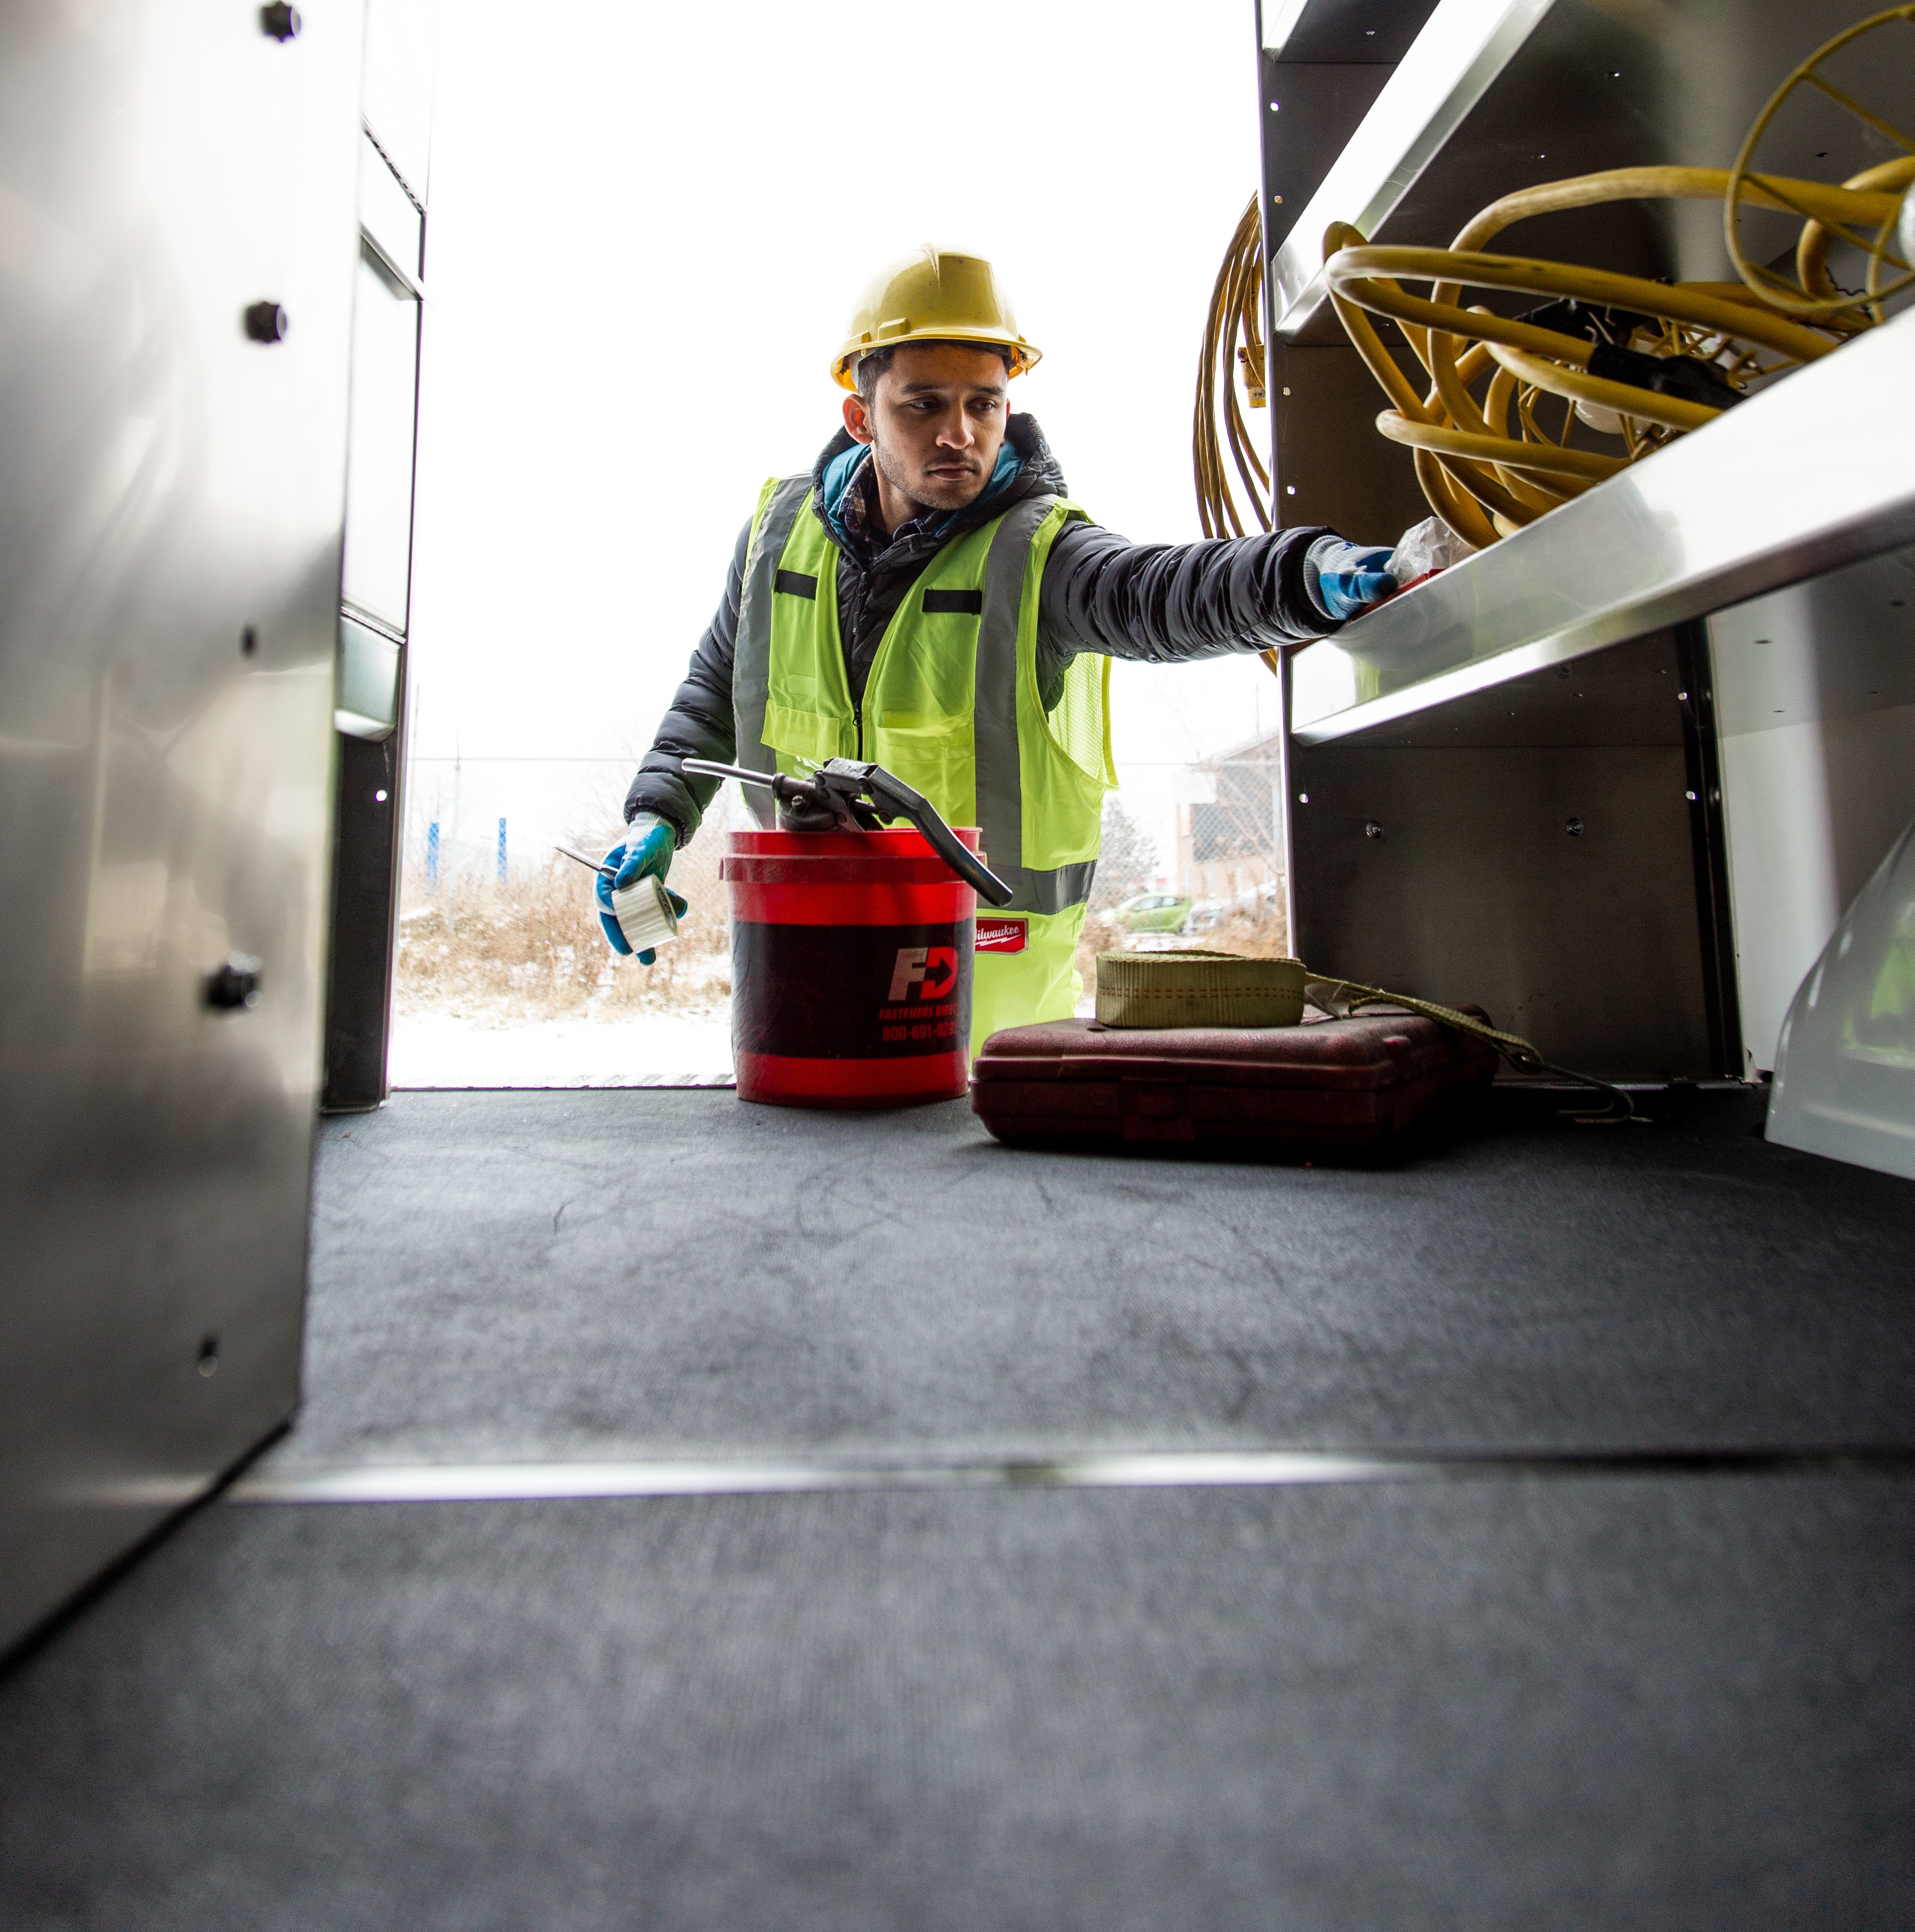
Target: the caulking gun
pixel 843 795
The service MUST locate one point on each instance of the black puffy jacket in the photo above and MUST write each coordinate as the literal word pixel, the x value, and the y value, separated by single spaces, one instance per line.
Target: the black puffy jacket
pixel 1160 603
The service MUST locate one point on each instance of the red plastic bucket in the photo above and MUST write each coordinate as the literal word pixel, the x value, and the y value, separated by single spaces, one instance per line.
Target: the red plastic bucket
pixel 851 968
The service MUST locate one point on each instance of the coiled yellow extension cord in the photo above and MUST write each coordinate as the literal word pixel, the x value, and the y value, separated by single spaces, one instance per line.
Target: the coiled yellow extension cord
pixel 1486 462
pixel 1481 478
pixel 1232 341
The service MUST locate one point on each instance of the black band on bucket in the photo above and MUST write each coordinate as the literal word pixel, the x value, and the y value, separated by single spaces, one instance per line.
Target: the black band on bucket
pixel 851 992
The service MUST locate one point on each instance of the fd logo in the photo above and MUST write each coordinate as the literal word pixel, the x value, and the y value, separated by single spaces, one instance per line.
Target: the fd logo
pixel 932 970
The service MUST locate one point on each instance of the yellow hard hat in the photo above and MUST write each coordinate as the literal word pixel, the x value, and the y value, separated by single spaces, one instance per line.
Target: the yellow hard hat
pixel 933 294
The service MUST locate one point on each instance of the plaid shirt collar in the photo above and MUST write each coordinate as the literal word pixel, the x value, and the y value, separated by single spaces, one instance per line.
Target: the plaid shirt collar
pixel 858 513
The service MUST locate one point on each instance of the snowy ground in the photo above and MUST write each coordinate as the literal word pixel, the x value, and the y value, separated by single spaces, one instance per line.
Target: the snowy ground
pixel 439 1050
pixel 446 1050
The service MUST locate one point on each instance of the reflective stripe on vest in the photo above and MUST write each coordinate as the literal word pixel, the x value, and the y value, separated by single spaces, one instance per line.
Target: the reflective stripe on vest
pixel 779 504
pixel 1000 752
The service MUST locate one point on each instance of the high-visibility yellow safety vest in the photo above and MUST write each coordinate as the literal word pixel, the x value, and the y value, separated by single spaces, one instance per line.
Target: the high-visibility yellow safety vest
pixel 953 705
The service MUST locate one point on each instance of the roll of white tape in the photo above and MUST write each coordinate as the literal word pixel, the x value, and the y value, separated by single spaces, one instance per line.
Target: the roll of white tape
pixel 644 914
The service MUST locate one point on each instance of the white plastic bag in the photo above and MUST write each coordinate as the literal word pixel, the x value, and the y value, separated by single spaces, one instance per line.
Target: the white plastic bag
pixel 1431 545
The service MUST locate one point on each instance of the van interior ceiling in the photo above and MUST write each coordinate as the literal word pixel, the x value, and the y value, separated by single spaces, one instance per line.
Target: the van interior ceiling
pixel 1433 1446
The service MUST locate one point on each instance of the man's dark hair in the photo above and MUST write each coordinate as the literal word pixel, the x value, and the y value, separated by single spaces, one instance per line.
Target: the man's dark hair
pixel 874 362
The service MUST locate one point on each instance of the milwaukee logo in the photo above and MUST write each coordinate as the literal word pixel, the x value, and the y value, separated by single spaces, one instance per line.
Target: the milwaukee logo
pixel 1001 935
pixel 931 971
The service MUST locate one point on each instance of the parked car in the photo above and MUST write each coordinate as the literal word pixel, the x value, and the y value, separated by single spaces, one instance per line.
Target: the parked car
pixel 1260 902
pixel 1152 912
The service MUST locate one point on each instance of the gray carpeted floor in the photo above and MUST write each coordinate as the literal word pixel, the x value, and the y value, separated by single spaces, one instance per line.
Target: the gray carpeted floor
pixel 1576 1700
pixel 1674 1702
pixel 498 1275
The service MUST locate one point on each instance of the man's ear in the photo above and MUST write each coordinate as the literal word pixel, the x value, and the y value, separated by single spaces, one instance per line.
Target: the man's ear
pixel 857 419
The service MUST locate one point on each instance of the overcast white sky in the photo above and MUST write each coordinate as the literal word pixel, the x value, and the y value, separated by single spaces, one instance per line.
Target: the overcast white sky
pixel 648 226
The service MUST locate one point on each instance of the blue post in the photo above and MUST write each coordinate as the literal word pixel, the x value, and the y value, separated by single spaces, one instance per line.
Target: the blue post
pixel 502 851
pixel 432 856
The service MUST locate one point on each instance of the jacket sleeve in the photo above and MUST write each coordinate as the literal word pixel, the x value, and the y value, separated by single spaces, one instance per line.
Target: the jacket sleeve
pixel 699 724
pixel 1174 603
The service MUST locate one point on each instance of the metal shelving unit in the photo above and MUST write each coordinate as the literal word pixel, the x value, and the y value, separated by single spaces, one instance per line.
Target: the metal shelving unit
pixel 1549 780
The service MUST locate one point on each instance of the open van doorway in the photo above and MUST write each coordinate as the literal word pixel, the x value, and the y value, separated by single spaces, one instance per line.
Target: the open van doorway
pixel 612 367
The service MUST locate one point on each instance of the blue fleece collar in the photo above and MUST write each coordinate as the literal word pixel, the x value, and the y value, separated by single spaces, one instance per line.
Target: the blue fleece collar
pixel 840 473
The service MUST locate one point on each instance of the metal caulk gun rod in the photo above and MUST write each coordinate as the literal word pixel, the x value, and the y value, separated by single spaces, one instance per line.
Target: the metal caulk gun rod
pixel 706 768
pixel 590 865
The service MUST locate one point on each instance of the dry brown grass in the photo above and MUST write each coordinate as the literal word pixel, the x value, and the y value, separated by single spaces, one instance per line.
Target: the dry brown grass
pixel 531 949
pixel 1101 934
pixel 1256 935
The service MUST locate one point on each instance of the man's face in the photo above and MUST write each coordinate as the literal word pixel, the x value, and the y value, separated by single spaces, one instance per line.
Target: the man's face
pixel 936 421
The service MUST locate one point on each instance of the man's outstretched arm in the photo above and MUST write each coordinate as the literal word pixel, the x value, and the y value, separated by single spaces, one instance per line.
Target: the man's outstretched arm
pixel 1174 603
pixel 699 724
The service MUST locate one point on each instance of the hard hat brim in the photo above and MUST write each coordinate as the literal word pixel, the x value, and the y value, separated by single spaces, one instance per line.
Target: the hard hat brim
pixel 1023 355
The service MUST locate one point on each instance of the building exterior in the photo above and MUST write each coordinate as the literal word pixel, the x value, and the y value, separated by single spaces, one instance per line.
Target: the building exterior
pixel 1230 847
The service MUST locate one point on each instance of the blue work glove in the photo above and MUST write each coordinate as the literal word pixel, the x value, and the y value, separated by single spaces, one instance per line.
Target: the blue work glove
pixel 1344 578
pixel 647 847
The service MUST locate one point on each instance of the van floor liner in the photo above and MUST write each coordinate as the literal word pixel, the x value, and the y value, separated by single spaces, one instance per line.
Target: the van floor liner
pixel 587 1275
pixel 1496 1704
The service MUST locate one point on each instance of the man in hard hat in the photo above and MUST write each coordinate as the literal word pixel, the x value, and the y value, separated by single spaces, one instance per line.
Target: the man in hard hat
pixel 928 599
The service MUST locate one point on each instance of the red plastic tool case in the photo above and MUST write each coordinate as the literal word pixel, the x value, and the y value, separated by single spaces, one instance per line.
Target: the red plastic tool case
pixel 1328 1087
